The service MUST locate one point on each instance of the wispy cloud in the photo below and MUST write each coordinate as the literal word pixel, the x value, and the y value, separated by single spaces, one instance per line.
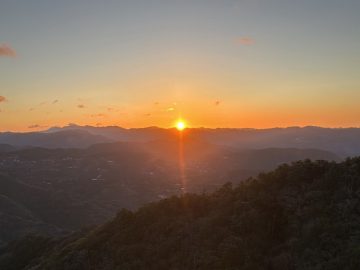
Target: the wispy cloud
pixel 55 101
pixel 217 102
pixel 2 99
pixel 36 126
pixel 97 115
pixel 81 106
pixel 245 41
pixel 110 109
pixel 6 50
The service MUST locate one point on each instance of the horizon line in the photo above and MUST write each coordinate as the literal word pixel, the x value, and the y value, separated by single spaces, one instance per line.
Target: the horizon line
pixel 74 126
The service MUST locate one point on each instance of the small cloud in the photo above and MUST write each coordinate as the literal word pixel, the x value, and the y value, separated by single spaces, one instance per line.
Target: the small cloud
pixel 2 99
pixel 36 126
pixel 147 114
pixel 55 101
pixel 6 50
pixel 245 41
pixel 81 106
pixel 170 109
pixel 109 109
pixel 217 102
pixel 97 115
pixel 156 103
pixel 31 109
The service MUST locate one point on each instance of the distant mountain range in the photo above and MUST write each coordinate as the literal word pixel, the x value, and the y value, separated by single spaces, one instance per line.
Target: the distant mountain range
pixel 61 139
pixel 342 141
pixel 7 148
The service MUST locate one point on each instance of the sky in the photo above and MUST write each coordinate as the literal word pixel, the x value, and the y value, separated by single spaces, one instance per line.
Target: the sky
pixel 138 63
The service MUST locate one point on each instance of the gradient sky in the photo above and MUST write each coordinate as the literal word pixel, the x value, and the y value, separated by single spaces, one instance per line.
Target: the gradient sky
pixel 132 63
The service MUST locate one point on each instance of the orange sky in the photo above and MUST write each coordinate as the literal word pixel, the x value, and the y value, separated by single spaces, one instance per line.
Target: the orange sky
pixel 215 63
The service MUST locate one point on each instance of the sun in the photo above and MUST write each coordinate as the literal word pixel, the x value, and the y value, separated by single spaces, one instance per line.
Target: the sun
pixel 180 125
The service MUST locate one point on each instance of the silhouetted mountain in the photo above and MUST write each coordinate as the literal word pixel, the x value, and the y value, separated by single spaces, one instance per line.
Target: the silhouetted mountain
pixel 111 132
pixel 61 139
pixel 342 141
pixel 303 216
pixel 118 133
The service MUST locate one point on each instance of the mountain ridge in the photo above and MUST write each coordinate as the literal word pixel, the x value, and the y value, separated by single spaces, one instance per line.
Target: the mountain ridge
pixel 342 141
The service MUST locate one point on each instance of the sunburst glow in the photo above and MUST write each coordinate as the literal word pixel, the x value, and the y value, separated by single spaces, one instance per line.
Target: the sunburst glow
pixel 180 125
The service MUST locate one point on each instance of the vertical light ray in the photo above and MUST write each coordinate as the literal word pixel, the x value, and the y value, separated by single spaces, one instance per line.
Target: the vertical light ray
pixel 181 162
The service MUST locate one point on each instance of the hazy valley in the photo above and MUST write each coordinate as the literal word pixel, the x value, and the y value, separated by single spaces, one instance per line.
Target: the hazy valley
pixel 59 189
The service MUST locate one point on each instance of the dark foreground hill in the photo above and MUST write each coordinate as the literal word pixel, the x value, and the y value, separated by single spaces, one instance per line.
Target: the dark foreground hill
pixel 300 216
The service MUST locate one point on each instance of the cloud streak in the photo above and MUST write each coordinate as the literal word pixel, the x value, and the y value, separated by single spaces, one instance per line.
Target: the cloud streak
pixel 2 99
pixel 36 126
pixel 97 115
pixel 7 51
pixel 245 41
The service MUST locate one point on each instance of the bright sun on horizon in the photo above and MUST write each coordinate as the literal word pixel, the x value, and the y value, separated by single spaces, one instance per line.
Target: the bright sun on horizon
pixel 180 125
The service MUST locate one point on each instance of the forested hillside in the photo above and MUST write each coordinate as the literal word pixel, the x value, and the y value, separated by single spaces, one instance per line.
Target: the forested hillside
pixel 300 216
